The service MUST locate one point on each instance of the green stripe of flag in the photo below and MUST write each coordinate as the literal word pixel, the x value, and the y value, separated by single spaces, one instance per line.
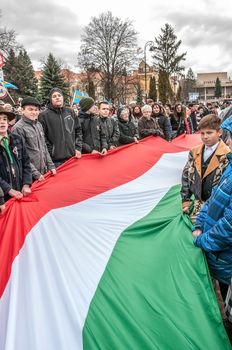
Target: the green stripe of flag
pixel 156 291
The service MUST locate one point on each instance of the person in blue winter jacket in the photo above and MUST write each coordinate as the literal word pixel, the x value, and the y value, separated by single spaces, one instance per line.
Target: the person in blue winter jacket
pixel 213 227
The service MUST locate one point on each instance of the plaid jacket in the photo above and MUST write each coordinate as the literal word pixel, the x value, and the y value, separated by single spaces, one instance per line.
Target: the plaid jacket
pixel 215 221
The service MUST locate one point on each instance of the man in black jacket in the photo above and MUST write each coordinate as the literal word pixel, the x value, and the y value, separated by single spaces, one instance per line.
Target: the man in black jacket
pixel 61 128
pixel 94 137
pixel 109 125
pixel 15 168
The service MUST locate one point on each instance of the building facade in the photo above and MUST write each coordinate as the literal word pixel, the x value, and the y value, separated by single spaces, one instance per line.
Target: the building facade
pixel 205 85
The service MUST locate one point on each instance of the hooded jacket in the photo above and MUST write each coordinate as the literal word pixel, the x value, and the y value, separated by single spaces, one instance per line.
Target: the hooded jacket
pixel 62 132
pixel 94 137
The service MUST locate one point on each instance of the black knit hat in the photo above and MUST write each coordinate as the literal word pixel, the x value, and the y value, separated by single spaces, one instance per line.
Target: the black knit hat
pixel 30 101
pixel 53 90
pixel 86 103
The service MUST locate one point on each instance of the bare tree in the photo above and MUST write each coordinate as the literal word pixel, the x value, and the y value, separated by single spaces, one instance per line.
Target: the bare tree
pixel 8 40
pixel 108 46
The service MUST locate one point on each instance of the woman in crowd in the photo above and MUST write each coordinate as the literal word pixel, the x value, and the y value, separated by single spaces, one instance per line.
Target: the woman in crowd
pixel 136 114
pixel 179 120
pixel 128 130
pixel 159 114
pixel 147 125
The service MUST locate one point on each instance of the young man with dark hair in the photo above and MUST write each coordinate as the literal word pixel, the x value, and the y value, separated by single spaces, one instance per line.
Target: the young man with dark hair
pixel 94 137
pixel 109 125
pixel 31 130
pixel 61 128
pixel 15 169
pixel 206 163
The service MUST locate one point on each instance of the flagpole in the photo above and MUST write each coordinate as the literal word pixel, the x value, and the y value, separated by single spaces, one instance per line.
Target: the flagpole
pixel 10 96
pixel 73 98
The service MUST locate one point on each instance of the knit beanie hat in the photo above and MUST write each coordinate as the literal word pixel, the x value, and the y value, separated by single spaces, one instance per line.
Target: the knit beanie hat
pixel 30 101
pixel 86 103
pixel 52 91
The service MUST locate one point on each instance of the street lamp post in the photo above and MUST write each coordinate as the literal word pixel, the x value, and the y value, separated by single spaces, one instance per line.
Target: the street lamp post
pixel 152 48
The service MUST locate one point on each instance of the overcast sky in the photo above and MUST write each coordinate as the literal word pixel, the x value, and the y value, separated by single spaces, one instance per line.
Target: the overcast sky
pixel 204 26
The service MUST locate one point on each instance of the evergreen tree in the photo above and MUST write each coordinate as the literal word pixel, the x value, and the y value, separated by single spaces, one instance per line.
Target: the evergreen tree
pixel 52 77
pixel 165 90
pixel 218 88
pixel 189 84
pixel 10 67
pixel 167 59
pixel 166 51
pixel 25 77
pixel 19 71
pixel 152 89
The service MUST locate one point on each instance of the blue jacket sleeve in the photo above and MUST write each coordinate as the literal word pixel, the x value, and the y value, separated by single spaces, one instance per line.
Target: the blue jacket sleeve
pixel 219 236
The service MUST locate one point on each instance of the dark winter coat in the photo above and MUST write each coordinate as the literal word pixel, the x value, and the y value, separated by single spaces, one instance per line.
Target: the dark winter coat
pixel 94 137
pixel 178 125
pixel 32 133
pixel 128 132
pixel 111 130
pixel 165 125
pixel 62 132
pixel 197 183
pixel 148 127
pixel 192 120
pixel 19 173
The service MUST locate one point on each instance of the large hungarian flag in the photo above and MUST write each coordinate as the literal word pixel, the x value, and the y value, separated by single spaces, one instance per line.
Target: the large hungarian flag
pixel 101 257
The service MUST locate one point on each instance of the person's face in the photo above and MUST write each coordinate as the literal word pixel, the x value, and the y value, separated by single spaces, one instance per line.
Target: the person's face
pixel 8 107
pixel 136 109
pixel 210 136
pixel 95 110
pixel 31 112
pixel 156 109
pixel 19 111
pixel 57 100
pixel 167 109
pixel 178 108
pixel 125 115
pixel 104 110
pixel 3 124
pixel 147 113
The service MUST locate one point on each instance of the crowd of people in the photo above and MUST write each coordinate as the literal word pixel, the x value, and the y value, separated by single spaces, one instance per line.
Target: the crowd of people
pixel 35 140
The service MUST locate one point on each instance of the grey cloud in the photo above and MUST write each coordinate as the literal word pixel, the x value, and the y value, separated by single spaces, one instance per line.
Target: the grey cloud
pixel 200 29
pixel 43 27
